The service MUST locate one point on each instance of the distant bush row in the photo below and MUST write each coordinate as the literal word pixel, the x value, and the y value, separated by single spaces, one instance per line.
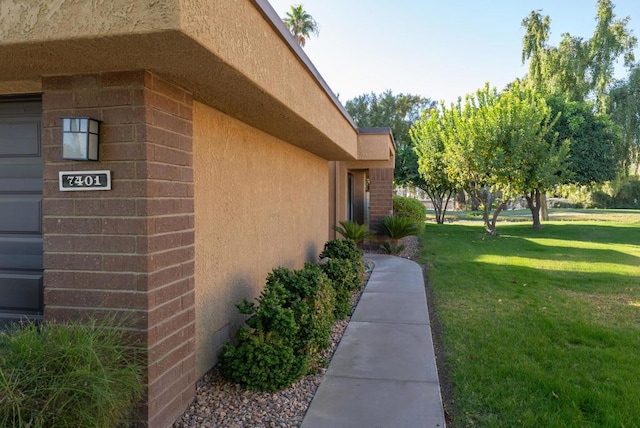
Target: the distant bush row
pixel 615 194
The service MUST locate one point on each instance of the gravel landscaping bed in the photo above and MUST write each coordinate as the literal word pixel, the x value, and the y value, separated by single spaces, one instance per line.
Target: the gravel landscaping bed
pixel 221 403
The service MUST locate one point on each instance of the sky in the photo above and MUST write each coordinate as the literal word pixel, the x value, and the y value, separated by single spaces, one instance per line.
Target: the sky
pixel 439 49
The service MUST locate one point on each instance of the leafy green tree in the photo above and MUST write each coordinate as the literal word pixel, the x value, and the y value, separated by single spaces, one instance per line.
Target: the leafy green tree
pixel 301 24
pixel 624 110
pixel 535 48
pixel 577 68
pixel 399 112
pixel 611 40
pixel 496 146
pixel 594 156
pixel 429 137
pixel 543 162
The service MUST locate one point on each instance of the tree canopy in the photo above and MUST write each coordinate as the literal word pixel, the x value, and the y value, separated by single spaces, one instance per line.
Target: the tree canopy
pixel 301 24
pixel 496 146
pixel 429 137
pixel 624 110
pixel 594 140
pixel 577 68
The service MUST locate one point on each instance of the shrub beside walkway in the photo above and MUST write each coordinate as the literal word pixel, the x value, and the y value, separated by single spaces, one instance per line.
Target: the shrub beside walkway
pixel 383 373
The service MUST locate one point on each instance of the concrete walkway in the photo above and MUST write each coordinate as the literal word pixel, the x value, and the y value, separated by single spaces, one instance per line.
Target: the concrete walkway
pixel 383 373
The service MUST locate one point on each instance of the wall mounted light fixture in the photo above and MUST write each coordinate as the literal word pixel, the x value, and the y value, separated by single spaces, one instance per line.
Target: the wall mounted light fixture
pixel 80 138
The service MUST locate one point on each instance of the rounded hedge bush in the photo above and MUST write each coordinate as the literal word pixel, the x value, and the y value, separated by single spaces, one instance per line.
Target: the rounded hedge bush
pixel 344 280
pixel 262 361
pixel 346 249
pixel 409 207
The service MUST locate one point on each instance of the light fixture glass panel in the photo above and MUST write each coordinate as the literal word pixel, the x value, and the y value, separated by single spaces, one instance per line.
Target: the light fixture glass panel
pixel 84 124
pixel 93 126
pixel 75 125
pixel 74 146
pixel 66 124
pixel 93 146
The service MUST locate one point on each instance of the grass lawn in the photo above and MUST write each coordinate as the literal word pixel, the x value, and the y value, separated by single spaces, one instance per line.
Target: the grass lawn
pixel 539 329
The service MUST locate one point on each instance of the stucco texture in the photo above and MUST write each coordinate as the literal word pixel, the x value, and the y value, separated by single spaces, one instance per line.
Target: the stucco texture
pixel 25 21
pixel 259 203
pixel 266 60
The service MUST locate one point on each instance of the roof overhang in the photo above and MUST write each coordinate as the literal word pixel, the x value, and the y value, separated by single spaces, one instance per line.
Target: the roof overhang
pixel 232 55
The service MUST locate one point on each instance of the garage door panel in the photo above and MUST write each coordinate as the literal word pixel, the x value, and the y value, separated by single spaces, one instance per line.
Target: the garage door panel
pixel 27 185
pixel 20 214
pixel 20 292
pixel 20 254
pixel 14 168
pixel 20 138
pixel 21 249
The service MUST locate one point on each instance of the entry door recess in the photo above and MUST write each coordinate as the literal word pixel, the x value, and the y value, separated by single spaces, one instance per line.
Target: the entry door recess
pixel 20 208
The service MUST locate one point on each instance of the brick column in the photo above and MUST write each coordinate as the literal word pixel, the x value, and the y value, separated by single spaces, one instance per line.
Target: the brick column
pixel 128 251
pixel 380 195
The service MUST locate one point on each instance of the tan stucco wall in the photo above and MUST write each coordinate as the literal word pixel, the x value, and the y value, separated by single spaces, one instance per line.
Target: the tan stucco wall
pixel 259 203
pixel 20 87
pixel 374 147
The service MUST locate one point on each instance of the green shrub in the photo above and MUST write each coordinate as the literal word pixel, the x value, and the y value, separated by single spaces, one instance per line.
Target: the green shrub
pixel 578 195
pixel 628 194
pixel 265 357
pixel 345 249
pixel 344 280
pixel 397 228
pixel 290 325
pixel 409 207
pixel 624 193
pixel 273 314
pixel 560 203
pixel 354 231
pixel 391 248
pixel 600 199
pixel 262 361
pixel 67 375
pixel 312 299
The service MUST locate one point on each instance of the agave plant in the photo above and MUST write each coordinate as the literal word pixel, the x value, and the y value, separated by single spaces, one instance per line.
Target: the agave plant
pixel 390 248
pixel 354 231
pixel 396 228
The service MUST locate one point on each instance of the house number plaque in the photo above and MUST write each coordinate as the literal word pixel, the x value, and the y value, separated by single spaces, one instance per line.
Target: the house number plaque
pixel 84 180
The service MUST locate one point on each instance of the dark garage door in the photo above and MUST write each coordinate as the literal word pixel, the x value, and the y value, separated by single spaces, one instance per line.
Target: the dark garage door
pixel 20 209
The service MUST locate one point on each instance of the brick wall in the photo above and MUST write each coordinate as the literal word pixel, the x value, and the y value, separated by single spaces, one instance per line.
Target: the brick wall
pixel 128 251
pixel 380 195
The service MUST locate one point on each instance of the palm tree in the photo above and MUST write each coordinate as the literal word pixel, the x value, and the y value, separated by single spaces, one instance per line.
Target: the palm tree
pixel 301 24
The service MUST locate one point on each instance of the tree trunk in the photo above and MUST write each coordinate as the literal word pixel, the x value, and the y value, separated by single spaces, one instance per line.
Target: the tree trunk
pixel 534 202
pixel 437 208
pixel 543 207
pixel 491 227
pixel 446 203
pixel 490 220
pixel 440 202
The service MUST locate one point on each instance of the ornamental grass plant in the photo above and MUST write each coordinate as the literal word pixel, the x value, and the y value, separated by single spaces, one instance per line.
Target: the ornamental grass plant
pixel 67 375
